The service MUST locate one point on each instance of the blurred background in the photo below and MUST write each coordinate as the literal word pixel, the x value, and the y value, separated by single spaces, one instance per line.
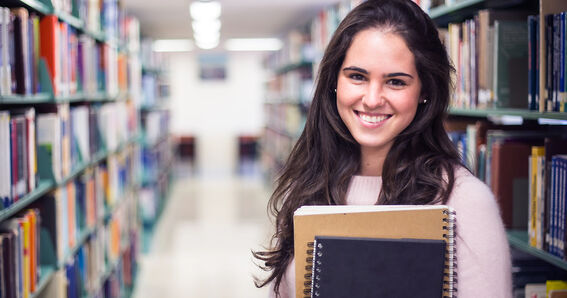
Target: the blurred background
pixel 143 138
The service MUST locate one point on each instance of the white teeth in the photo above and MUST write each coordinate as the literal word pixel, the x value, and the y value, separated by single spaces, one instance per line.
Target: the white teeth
pixel 372 119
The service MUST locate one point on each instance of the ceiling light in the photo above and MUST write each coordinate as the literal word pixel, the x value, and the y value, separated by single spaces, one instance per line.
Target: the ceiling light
pixel 205 10
pixel 207 45
pixel 253 44
pixel 172 45
pixel 207 37
pixel 206 25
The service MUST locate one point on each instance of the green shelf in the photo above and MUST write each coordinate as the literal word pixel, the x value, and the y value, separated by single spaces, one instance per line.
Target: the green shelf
pixel 47 273
pixel 110 267
pixel 34 5
pixel 43 187
pixel 74 173
pixel 520 240
pixel 73 21
pixel 78 97
pixel 443 10
pixel 100 97
pixel 526 114
pixel 99 156
pixel 97 35
pixel 151 70
pixel 26 99
pixel 83 235
pixel 294 66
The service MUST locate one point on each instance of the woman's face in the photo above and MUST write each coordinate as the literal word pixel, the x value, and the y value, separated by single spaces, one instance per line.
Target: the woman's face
pixel 378 89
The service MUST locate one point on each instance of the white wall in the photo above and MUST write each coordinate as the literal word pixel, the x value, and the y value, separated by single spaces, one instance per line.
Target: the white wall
pixel 216 112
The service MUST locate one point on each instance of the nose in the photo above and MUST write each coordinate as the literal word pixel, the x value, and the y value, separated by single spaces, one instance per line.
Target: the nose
pixel 373 97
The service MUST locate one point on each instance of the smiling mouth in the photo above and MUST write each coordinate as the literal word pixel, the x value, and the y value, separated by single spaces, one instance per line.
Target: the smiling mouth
pixel 372 119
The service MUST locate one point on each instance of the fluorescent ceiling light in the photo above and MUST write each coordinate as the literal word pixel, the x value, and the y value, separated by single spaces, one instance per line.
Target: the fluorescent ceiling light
pixel 206 25
pixel 207 45
pixel 172 45
pixel 205 10
pixel 253 44
pixel 209 37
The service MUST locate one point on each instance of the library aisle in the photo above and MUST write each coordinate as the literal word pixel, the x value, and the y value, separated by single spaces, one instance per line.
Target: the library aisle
pixel 202 245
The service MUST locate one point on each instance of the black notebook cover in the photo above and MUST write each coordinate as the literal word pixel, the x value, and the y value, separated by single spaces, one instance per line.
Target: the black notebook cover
pixel 375 267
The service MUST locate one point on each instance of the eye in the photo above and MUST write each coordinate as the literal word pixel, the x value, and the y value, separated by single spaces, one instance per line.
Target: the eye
pixel 397 83
pixel 356 77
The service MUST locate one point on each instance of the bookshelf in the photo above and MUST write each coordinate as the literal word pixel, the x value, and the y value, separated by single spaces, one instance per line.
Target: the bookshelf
pixel 156 146
pixel 80 199
pixel 480 105
pixel 288 92
pixel 483 115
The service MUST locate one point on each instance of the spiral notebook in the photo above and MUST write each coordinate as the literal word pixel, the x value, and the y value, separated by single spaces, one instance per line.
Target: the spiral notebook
pixel 377 267
pixel 429 222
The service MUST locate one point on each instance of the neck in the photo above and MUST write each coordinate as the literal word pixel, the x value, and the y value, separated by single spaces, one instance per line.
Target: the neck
pixel 372 161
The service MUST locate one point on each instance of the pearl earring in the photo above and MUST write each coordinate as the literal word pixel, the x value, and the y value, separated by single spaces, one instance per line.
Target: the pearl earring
pixel 425 101
pixel 335 90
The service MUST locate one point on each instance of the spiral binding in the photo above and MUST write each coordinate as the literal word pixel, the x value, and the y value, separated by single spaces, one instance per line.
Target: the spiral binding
pixel 315 277
pixel 450 286
pixel 309 268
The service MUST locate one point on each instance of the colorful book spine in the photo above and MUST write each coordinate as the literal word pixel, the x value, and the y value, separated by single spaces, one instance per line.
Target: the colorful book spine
pixel 50 49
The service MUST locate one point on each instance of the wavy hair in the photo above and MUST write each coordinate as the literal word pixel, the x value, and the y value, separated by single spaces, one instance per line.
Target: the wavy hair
pixel 419 168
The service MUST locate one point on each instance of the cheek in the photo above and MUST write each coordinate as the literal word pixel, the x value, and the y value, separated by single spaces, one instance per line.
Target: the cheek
pixel 408 102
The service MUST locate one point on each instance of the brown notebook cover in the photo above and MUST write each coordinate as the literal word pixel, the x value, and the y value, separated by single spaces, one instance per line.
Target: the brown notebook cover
pixel 434 222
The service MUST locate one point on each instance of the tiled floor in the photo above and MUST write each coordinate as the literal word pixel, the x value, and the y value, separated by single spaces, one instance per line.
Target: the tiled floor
pixel 202 246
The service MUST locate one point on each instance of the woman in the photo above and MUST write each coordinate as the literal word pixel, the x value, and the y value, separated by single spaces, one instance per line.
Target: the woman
pixel 375 135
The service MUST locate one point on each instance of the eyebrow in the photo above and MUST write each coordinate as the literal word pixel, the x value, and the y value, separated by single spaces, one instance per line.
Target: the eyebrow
pixel 390 75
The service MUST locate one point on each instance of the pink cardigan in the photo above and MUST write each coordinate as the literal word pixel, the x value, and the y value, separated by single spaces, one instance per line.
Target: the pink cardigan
pixel 484 264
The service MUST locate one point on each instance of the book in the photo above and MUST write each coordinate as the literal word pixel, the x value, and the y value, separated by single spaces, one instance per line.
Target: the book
pixel 536 211
pixel 552 146
pixel 5 159
pixel 50 50
pixel 433 222
pixel 535 290
pixel 21 55
pixel 377 267
pixel 510 82
pixel 556 288
pixel 49 143
pixel 509 181
pixel 5 66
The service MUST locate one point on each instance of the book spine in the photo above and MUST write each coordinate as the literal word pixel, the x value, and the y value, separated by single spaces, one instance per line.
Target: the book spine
pixel 556 60
pixel 553 178
pixel 561 54
pixel 14 158
pixel 532 29
pixel 562 172
pixel 549 61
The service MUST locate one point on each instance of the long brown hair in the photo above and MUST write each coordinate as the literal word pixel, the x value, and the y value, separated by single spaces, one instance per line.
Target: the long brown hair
pixel 419 168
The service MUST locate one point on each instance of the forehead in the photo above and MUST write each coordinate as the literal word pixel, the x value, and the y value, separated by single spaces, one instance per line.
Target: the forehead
pixel 378 46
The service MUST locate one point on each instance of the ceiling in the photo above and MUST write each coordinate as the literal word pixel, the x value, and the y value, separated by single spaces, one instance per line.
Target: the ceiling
pixel 169 19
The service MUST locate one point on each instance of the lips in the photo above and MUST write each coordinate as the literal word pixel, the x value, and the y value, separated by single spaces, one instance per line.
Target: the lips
pixel 372 119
